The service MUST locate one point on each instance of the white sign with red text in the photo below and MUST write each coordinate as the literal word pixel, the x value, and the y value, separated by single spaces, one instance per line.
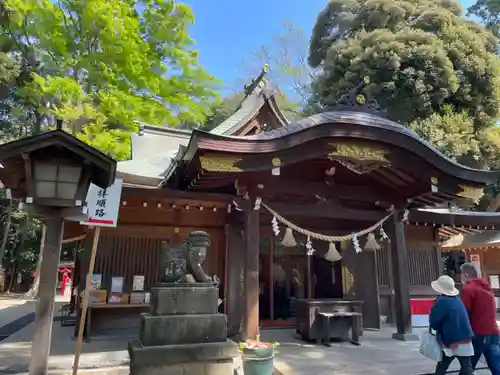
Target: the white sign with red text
pixel 103 205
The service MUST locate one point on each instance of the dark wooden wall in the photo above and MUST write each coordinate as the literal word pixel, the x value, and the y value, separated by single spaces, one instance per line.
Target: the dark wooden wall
pixel 134 246
pixel 425 266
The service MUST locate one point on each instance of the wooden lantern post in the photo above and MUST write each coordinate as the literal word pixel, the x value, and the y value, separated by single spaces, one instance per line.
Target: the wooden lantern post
pixel 49 174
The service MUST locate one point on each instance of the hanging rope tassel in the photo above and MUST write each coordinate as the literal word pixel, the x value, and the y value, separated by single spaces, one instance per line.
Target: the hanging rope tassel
pixel 333 254
pixel 309 247
pixel 371 242
pixel 288 239
pixel 383 235
pixel 322 237
pixel 355 243
pixel 276 227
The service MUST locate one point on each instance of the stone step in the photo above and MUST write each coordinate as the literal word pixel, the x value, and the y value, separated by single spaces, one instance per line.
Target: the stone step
pixel 158 355
pixel 182 329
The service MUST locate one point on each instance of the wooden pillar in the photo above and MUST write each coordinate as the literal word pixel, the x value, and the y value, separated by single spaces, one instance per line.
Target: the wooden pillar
pixel 40 347
pixel 400 273
pixel 252 246
pixel 236 281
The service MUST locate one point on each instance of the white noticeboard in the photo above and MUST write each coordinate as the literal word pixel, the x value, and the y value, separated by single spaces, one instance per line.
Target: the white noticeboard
pixel 475 259
pixel 103 204
pixel 494 282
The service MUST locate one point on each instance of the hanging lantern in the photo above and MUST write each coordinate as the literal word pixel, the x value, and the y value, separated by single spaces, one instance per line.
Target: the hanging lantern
pixel 333 254
pixel 288 239
pixel 371 242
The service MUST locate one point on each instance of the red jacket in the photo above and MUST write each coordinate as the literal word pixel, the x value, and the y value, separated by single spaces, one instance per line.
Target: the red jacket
pixel 478 299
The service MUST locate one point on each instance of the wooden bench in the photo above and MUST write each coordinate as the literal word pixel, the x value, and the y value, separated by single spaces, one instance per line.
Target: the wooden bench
pixel 327 322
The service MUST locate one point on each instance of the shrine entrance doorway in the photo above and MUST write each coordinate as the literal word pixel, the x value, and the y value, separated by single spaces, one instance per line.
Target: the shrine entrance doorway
pixel 288 274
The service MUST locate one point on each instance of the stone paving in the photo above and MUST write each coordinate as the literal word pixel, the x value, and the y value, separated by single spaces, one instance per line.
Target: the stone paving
pixel 378 354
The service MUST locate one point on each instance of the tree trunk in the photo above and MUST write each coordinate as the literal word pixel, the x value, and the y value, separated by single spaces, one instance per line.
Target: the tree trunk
pixel 33 292
pixel 13 277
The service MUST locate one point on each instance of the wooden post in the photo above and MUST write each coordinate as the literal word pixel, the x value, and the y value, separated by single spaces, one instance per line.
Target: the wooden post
pixel 271 276
pixel 40 347
pixel 85 301
pixel 309 278
pixel 227 233
pixel 401 279
pixel 252 246
pixel 236 284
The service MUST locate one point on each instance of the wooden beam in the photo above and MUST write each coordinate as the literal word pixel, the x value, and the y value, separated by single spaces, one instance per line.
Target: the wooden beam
pixel 331 190
pixel 322 210
pixel 176 194
pixel 472 220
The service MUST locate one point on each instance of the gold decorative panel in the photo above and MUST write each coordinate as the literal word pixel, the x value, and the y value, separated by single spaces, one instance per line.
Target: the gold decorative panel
pixel 220 164
pixel 359 157
pixel 347 280
pixel 470 192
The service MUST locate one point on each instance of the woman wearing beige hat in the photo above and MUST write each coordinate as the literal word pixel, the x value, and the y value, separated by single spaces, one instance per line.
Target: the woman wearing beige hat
pixel 449 319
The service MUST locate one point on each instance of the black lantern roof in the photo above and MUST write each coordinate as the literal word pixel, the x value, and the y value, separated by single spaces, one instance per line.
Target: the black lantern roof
pixel 14 157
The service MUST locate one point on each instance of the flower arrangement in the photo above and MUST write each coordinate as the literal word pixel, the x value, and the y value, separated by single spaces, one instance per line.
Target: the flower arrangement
pixel 257 344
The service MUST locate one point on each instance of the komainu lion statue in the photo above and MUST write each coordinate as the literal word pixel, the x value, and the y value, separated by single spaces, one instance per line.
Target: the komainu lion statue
pixel 183 264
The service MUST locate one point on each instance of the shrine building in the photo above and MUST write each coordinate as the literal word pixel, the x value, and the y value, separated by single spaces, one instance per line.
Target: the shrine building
pixel 343 207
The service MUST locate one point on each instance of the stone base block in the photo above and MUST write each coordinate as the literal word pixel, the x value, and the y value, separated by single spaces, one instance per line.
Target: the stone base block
pixel 193 359
pixel 225 367
pixel 182 329
pixel 179 300
pixel 405 336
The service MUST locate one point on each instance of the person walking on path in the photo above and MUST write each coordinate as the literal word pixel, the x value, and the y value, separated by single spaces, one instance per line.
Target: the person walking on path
pixel 479 301
pixel 449 319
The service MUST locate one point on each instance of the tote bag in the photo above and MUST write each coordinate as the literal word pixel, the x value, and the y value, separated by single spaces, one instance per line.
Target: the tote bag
pixel 429 346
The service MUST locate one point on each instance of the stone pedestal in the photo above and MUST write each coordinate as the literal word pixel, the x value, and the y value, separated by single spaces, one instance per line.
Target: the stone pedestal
pixel 183 334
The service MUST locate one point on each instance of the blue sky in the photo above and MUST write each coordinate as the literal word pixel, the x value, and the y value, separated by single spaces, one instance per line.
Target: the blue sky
pixel 228 30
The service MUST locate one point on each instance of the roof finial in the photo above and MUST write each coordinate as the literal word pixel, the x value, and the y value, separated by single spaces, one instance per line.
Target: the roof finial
pixel 358 99
pixel 59 124
pixel 265 69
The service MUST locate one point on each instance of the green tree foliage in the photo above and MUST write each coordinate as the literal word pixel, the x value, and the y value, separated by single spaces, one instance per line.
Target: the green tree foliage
pixel 488 11
pixel 286 56
pixel 451 132
pixel 429 68
pixel 106 63
pixel 419 55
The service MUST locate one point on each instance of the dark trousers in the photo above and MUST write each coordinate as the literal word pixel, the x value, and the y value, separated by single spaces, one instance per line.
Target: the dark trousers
pixel 488 345
pixel 465 365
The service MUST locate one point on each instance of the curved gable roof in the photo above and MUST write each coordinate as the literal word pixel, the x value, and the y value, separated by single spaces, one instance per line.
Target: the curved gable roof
pixel 256 95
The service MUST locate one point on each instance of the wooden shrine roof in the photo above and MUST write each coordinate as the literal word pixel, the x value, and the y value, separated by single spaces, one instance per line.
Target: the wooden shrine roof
pixel 373 160
pixel 356 126
pixel 155 148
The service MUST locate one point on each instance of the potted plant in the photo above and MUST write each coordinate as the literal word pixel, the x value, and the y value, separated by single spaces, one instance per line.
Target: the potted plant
pixel 258 357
